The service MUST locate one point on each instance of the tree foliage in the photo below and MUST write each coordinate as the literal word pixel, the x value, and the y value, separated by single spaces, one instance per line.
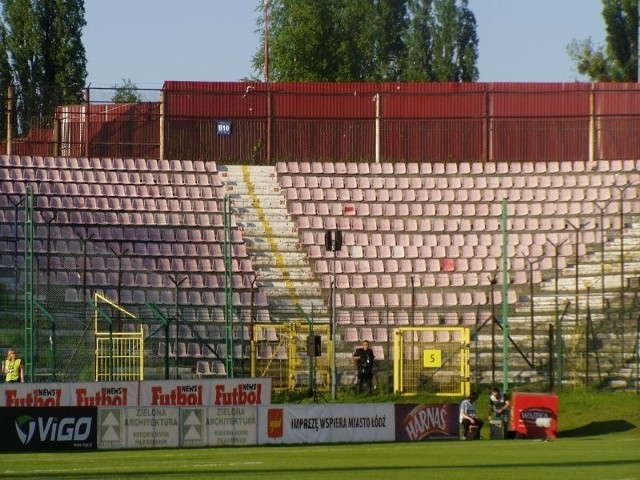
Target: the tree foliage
pixel 126 92
pixel 370 40
pixel 44 55
pixel 617 60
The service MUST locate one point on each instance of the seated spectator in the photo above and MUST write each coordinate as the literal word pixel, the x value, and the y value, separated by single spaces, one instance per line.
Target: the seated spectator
pixel 471 424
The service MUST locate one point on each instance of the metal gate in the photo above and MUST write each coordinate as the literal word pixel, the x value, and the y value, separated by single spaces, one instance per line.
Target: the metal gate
pixel 279 351
pixel 431 360
pixel 119 355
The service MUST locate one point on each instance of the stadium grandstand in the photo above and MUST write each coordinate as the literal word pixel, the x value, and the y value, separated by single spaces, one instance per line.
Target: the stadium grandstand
pixel 224 266
pixel 422 245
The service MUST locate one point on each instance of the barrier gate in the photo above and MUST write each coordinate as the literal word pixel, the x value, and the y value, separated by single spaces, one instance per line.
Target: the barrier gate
pixel 431 360
pixel 119 355
pixel 279 351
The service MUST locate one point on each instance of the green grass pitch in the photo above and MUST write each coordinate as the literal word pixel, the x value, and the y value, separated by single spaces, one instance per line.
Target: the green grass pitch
pixel 606 457
pixel 599 439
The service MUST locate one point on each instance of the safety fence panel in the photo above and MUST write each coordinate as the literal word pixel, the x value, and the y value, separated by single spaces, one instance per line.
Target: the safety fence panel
pixel 431 360
pixel 280 351
pixel 119 356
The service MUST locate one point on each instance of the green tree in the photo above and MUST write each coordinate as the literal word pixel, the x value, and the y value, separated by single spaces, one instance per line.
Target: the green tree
pixel 442 43
pixel 389 25
pixel 617 60
pixel 43 44
pixel 301 40
pixel 419 43
pixel 5 81
pixel 370 40
pixel 126 92
pixel 354 40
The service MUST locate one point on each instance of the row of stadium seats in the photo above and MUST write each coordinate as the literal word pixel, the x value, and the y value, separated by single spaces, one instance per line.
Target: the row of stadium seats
pixel 109 164
pixel 451 168
pixel 129 180
pixel 316 187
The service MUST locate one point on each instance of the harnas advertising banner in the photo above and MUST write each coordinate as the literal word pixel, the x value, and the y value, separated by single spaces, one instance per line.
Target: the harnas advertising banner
pixel 88 394
pixel 206 393
pixel 416 423
pixel 373 422
pixel 61 428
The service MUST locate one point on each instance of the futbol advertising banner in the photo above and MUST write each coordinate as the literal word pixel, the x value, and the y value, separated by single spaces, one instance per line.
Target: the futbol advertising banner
pixel 40 428
pixel 326 423
pixel 206 393
pixel 88 394
pixel 416 423
pixel 214 392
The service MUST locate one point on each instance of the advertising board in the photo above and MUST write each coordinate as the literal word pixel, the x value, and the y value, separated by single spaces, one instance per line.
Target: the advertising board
pixel 534 415
pixel 205 393
pixel 328 423
pixel 85 394
pixel 416 423
pixel 152 427
pixel 42 428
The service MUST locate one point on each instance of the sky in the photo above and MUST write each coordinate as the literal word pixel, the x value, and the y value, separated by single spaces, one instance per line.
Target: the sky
pixel 150 41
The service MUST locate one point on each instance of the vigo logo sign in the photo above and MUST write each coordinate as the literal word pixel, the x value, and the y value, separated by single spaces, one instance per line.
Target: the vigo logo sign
pixel 53 429
pixel 42 428
pixel 25 422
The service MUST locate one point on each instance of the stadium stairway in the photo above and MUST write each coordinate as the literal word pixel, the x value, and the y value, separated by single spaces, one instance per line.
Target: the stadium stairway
pixel 282 271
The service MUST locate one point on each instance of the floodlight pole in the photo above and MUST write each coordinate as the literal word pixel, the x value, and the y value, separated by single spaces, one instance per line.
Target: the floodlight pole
pixel 505 302
pixel 119 255
pixel 84 239
pixel 177 283
pixel 577 228
pixel 333 243
pixel 602 208
pixel 621 189
pixel 333 330
pixel 558 325
pixel 493 280
pixel 638 354
pixel 531 306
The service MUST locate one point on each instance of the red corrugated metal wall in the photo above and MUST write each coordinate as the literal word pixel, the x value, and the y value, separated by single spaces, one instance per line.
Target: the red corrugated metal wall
pixel 616 108
pixel 539 121
pixel 414 121
pixel 417 122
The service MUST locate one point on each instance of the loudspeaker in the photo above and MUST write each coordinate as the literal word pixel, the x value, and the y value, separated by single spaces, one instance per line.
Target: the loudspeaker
pixel 333 240
pixel 314 346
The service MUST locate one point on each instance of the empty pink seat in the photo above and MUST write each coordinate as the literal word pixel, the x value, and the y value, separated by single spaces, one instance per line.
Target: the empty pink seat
pixel 393 300
pixel 436 299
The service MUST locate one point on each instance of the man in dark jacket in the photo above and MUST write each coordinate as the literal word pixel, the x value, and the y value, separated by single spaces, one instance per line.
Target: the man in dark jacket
pixel 364 361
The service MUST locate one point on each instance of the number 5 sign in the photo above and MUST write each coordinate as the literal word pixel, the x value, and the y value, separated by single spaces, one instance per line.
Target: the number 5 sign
pixel 432 358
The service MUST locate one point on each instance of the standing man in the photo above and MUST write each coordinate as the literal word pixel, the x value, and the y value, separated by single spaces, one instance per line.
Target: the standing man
pixel 499 410
pixel 499 404
pixel 13 368
pixel 364 361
